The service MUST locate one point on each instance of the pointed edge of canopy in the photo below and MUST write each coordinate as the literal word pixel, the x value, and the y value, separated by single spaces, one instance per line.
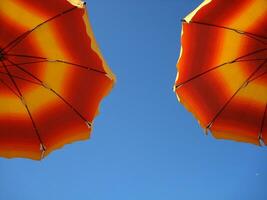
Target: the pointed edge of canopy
pixel 194 12
pixel 77 3
pixel 220 135
pixel 95 47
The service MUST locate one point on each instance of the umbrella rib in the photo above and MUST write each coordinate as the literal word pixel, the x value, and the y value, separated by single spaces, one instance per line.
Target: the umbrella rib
pixel 26 63
pixel 21 37
pixel 221 65
pixel 257 77
pixel 56 60
pixel 262 123
pixel 244 84
pixel 16 41
pixel 53 91
pixel 21 78
pixel 5 84
pixel 42 147
pixel 25 56
pixel 251 35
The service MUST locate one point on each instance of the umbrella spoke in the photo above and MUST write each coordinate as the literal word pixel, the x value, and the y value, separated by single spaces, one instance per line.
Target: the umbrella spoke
pixel 43 59
pixel 20 96
pixel 20 78
pixel 257 77
pixel 239 59
pixel 247 60
pixel 7 86
pixel 24 35
pixel 53 91
pixel 244 84
pixel 25 56
pixel 25 63
pixel 256 37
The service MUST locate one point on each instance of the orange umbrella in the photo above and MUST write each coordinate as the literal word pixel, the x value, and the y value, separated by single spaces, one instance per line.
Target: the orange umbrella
pixel 52 76
pixel 222 76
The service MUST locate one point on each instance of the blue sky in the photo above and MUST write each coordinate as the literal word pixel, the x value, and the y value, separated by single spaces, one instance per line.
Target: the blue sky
pixel 145 145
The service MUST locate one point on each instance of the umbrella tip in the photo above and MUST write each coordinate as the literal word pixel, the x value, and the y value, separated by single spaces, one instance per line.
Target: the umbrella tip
pixel 207 129
pixel 78 3
pixel 177 86
pixel 109 76
pixel 43 150
pixel 261 141
pixel 89 124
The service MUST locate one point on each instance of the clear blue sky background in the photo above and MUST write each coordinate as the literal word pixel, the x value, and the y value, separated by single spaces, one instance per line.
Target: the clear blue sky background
pixel 145 145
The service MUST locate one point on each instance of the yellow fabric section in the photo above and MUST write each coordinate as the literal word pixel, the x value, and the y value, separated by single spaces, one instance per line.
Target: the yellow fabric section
pixel 254 11
pixel 233 77
pixel 231 45
pixel 235 137
pixel 43 37
pixel 12 153
pixel 177 65
pixel 55 74
pixel 39 98
pixel 11 105
pixel 15 12
pixel 255 92
pixel 228 48
pixel 46 40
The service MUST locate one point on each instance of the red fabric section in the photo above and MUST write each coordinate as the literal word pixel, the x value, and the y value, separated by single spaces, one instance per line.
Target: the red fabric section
pixel 240 118
pixel 58 124
pixel 9 31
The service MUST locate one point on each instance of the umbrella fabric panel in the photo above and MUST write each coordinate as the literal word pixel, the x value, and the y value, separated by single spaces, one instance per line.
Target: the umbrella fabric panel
pixel 56 122
pixel 222 68
pixel 52 66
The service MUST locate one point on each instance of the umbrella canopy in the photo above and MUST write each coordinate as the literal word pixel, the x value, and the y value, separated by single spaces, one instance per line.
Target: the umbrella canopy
pixel 222 76
pixel 52 76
